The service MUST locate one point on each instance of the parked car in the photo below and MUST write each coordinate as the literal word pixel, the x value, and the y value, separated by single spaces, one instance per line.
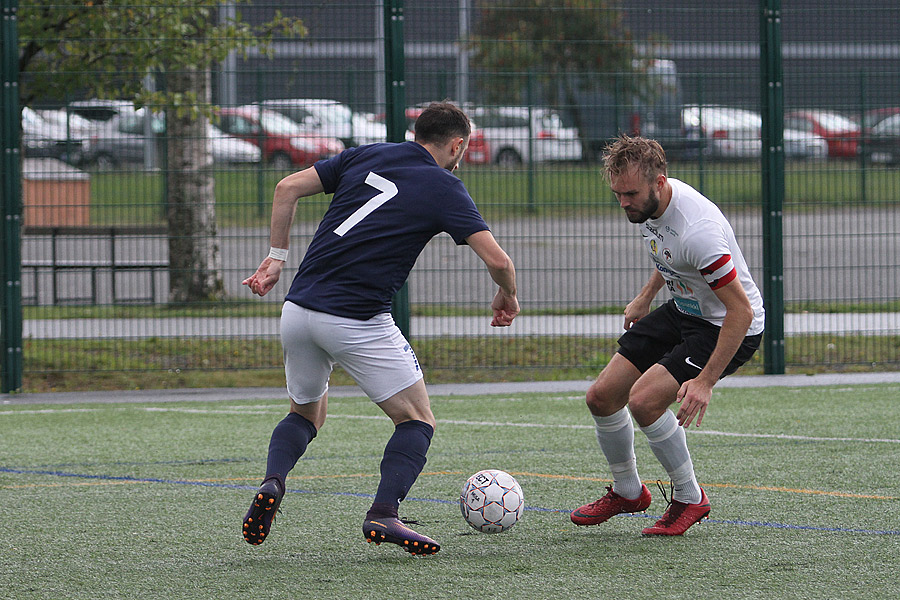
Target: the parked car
pixel 841 133
pixel 229 149
pixel 883 142
pixel 736 133
pixel 122 139
pixel 874 116
pixel 43 139
pixel 330 118
pixel 511 133
pixel 730 132
pixel 804 145
pixel 476 154
pixel 100 110
pixel 69 121
pixel 283 142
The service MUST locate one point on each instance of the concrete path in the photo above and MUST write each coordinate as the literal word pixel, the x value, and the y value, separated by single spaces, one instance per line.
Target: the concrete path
pixel 426 327
pixel 442 389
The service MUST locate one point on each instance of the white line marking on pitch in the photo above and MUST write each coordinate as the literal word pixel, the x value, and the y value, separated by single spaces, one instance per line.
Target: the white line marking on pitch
pixel 264 409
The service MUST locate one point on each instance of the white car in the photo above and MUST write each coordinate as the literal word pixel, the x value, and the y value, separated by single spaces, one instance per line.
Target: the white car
pixel 330 118
pixel 734 133
pixel 729 132
pixel 518 134
pixel 101 110
pixel 43 139
pixel 68 120
pixel 229 149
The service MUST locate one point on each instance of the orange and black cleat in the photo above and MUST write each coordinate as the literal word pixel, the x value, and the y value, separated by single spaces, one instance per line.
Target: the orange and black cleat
pixel 261 514
pixel 394 531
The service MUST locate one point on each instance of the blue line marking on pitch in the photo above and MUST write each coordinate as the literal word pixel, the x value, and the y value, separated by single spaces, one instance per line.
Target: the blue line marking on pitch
pixel 234 486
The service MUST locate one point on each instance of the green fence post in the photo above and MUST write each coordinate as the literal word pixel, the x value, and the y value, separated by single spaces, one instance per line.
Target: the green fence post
pixel 261 166
pixel 395 116
pixel 861 142
pixel 701 163
pixel 531 133
pixel 11 190
pixel 772 96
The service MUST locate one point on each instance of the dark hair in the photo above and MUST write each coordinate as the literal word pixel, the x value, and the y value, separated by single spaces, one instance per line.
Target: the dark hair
pixel 440 122
pixel 629 152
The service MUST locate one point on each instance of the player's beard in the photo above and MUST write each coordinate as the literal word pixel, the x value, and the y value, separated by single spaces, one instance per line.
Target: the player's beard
pixel 639 216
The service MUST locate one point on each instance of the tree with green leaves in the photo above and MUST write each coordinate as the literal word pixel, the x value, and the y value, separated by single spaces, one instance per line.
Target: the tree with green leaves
pixel 535 51
pixel 107 49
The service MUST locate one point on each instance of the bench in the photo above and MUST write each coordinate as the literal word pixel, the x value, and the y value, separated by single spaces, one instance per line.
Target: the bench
pixel 51 252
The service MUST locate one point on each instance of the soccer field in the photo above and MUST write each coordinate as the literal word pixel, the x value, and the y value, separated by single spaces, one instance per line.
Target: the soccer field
pixel 145 500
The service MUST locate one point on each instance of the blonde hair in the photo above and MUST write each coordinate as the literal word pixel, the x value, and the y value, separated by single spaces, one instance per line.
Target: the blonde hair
pixel 638 152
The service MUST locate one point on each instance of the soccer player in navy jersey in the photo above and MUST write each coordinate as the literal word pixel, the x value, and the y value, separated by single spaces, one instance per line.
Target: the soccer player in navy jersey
pixel 389 200
pixel 711 326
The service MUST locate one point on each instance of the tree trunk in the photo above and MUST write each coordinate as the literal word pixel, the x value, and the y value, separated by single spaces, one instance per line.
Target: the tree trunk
pixel 194 259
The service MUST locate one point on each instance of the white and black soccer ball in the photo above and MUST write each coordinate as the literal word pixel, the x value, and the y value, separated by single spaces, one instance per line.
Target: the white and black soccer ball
pixel 491 501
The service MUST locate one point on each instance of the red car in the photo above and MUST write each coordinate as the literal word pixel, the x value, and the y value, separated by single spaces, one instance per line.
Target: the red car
pixel 284 143
pixel 841 134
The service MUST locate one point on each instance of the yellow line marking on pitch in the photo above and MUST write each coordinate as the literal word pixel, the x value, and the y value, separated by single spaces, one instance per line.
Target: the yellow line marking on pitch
pixel 766 488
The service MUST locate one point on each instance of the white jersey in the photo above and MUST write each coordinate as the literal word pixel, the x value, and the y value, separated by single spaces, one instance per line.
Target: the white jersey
pixel 693 247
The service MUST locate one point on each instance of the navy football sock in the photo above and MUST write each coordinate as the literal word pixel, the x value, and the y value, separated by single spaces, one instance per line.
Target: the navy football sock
pixel 404 458
pixel 289 440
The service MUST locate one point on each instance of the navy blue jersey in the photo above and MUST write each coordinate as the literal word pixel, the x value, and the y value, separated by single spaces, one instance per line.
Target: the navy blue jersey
pixel 389 201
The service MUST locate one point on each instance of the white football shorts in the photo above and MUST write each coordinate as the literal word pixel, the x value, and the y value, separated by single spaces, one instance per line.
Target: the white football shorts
pixel 374 353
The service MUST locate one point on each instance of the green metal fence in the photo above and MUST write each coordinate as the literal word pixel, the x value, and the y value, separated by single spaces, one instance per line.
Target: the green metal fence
pixel 135 237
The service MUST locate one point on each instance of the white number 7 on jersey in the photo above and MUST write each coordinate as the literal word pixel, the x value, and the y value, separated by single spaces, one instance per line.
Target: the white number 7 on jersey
pixel 388 190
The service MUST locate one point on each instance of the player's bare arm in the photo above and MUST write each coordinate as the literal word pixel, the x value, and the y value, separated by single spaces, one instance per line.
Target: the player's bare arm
pixel 695 394
pixel 290 189
pixel 640 306
pixel 505 305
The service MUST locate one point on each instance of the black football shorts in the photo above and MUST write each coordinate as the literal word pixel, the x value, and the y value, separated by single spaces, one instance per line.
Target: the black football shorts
pixel 681 343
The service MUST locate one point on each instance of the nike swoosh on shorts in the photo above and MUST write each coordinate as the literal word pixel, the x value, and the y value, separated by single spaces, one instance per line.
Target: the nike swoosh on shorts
pixel 688 360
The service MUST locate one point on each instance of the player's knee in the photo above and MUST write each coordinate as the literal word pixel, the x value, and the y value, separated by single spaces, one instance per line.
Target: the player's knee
pixel 645 407
pixel 601 399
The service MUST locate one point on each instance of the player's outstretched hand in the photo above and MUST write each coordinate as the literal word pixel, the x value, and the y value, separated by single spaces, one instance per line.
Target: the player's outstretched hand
pixel 505 309
pixel 694 397
pixel 266 276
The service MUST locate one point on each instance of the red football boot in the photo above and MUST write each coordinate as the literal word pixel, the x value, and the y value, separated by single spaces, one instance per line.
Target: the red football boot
pixel 679 517
pixel 608 506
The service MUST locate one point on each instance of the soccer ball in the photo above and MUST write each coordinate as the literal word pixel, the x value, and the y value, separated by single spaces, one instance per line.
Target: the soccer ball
pixel 491 501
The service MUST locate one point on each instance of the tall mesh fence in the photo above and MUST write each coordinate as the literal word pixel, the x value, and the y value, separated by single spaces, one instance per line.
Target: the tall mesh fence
pixel 115 280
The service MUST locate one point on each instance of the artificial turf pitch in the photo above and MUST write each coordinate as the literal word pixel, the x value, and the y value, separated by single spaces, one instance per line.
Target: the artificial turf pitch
pixel 145 500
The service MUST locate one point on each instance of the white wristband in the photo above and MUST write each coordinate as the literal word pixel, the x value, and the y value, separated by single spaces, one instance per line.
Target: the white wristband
pixel 278 253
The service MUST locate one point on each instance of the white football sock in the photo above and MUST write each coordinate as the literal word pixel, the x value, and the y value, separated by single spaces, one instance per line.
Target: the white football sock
pixel 669 444
pixel 615 434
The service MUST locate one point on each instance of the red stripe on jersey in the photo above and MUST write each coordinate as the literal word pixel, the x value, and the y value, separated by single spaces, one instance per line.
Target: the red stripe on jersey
pixel 717 264
pixel 723 280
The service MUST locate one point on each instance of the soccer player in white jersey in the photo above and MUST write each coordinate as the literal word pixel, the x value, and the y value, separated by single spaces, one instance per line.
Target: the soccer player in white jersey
pixel 711 326
pixel 389 201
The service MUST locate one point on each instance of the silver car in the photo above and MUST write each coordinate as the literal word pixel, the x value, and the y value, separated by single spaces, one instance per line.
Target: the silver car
pixel 513 133
pixel 330 119
pixel 122 139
